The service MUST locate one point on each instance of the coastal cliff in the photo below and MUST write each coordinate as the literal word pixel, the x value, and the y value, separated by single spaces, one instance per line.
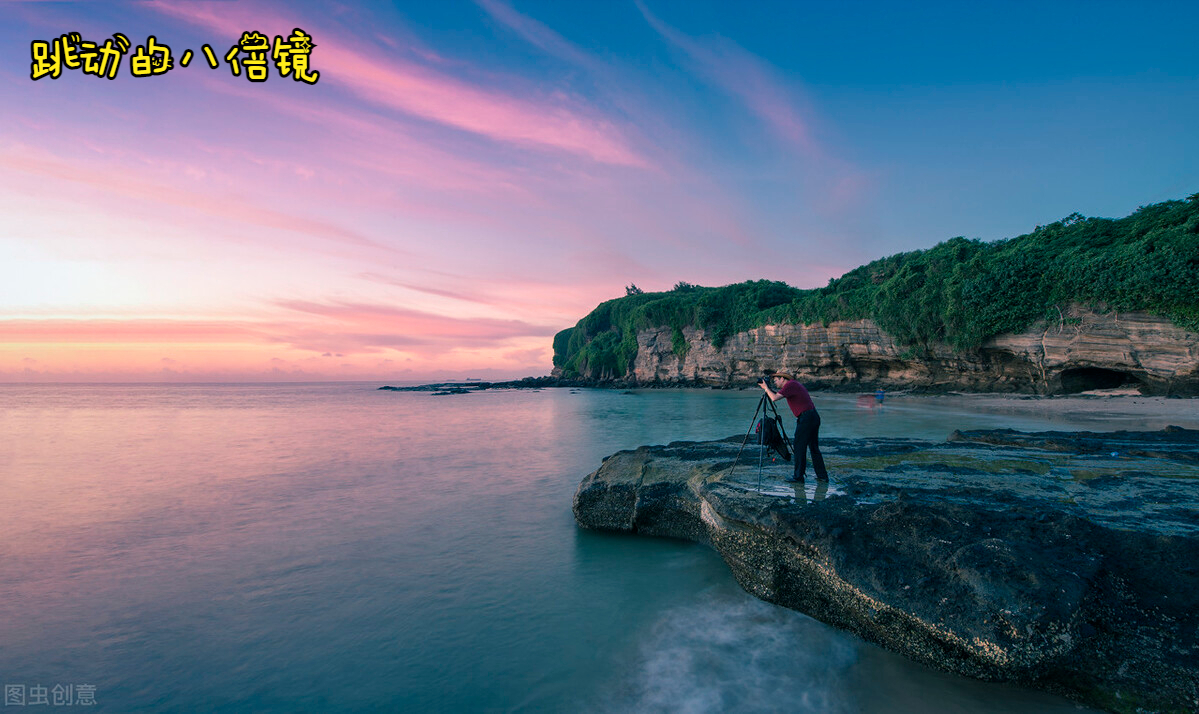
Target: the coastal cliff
pixel 1079 304
pixel 1065 562
pixel 1084 350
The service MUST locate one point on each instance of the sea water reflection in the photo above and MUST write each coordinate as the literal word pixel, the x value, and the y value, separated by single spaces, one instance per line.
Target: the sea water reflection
pixel 331 547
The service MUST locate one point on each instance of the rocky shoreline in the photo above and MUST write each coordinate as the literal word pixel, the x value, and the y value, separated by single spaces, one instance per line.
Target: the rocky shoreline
pixel 1067 562
pixel 1082 350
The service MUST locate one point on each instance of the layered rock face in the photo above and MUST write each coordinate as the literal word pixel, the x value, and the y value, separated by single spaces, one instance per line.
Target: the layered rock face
pixel 1083 350
pixel 1066 562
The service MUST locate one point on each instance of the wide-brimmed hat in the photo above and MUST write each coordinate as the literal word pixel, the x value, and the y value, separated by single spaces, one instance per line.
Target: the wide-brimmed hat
pixel 785 375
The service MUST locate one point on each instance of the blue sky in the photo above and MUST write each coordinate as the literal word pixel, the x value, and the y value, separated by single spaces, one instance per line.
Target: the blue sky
pixel 467 178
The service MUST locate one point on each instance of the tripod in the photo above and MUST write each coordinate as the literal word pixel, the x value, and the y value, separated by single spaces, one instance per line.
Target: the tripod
pixel 763 404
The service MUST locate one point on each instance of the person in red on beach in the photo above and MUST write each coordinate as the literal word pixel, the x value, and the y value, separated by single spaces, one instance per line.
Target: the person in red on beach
pixel 807 425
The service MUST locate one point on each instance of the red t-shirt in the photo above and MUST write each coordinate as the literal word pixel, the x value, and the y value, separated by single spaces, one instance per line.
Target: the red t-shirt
pixel 797 397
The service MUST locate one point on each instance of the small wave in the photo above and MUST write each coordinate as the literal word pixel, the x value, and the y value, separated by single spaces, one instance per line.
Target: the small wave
pixel 731 652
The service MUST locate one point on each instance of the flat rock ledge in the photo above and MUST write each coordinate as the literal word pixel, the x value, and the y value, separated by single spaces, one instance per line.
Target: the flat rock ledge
pixel 1067 562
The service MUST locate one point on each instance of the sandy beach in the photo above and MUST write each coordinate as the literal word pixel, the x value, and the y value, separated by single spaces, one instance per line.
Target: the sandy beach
pixel 1157 412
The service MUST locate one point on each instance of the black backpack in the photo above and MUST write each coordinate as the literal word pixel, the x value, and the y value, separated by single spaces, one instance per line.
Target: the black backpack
pixel 770 434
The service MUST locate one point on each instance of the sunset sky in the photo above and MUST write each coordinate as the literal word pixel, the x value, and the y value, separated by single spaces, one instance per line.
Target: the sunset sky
pixel 467 178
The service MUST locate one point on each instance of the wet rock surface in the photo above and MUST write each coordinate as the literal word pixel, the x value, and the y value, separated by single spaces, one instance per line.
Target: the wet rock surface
pixel 1066 562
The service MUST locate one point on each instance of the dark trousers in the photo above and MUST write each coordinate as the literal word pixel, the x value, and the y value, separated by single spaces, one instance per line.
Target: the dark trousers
pixel 807 436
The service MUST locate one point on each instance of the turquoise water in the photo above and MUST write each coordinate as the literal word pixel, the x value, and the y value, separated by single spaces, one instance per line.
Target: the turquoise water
pixel 331 547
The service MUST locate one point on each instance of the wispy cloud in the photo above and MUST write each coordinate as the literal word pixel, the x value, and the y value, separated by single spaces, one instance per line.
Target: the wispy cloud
pixel 362 326
pixel 832 186
pixel 546 123
pixel 303 330
pixel 127 183
pixel 415 207
pixel 538 34
pixel 742 75
pixel 64 331
pixel 378 156
pixel 439 292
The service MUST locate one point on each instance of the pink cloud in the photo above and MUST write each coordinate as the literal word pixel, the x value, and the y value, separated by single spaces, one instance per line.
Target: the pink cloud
pixel 344 329
pixel 377 144
pixel 129 331
pixel 781 107
pixel 387 320
pixel 537 354
pixel 556 304
pixel 422 92
pixel 707 208
pixel 440 292
pixel 131 184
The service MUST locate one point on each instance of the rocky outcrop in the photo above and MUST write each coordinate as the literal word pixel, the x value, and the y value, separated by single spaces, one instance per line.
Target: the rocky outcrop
pixel 1082 350
pixel 1056 561
pixel 555 380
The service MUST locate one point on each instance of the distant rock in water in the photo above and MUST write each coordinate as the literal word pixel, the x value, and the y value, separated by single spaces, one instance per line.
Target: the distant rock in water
pixel 1065 562
pixel 441 387
pixel 472 385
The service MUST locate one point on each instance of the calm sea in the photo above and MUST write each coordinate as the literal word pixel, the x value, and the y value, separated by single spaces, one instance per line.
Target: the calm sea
pixel 331 547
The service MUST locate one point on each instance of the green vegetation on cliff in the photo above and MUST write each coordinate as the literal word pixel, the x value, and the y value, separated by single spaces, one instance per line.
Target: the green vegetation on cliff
pixel 959 292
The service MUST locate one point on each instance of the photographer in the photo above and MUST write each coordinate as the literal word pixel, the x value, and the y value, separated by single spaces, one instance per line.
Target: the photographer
pixel 807 426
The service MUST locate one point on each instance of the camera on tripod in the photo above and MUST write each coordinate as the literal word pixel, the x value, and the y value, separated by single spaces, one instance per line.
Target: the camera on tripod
pixel 769 433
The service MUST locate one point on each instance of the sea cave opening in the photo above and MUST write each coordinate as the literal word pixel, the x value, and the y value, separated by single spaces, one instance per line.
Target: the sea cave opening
pixel 1084 379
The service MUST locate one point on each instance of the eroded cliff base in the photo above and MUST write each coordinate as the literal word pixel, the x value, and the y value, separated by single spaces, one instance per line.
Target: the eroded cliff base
pixel 1063 561
pixel 1083 350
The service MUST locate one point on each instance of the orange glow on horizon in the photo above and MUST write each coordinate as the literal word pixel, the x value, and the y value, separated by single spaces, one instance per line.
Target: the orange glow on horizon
pixel 162 350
